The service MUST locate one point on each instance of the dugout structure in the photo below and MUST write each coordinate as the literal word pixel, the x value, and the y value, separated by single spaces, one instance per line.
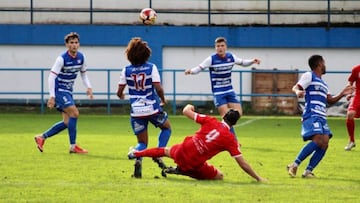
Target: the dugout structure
pixel 272 92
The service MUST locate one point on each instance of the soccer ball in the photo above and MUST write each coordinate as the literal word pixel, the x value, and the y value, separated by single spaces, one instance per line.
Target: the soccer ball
pixel 148 16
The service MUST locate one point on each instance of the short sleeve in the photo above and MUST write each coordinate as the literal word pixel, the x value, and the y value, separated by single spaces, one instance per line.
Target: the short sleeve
pixel 122 80
pixel 305 80
pixel 155 74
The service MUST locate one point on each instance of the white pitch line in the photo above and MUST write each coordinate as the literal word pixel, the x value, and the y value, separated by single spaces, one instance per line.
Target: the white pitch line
pixel 247 122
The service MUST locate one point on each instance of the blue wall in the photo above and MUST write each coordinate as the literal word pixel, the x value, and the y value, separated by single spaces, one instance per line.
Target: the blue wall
pixel 183 36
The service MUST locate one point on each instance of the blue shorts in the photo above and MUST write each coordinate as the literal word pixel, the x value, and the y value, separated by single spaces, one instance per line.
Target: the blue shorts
pixel 314 125
pixel 226 98
pixel 63 100
pixel 139 124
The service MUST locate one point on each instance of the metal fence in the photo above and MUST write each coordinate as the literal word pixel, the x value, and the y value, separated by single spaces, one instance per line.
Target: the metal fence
pixel 42 92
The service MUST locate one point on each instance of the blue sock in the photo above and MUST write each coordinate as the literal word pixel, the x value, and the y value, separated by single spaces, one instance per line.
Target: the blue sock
pixel 72 130
pixel 305 152
pixel 55 129
pixel 164 137
pixel 140 146
pixel 316 158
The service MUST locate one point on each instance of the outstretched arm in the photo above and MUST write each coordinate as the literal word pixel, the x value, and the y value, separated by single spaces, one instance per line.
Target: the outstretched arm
pixel 346 91
pixel 247 168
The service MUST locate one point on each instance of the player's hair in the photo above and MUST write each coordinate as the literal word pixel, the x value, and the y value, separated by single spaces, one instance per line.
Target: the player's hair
pixel 220 39
pixel 70 36
pixel 137 51
pixel 231 117
pixel 314 61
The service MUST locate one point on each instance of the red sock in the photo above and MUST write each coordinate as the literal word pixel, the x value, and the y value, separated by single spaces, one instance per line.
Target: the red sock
pixel 350 125
pixel 152 152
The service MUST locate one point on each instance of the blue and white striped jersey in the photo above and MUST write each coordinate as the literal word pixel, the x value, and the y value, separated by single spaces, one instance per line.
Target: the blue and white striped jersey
pixel 220 71
pixel 143 97
pixel 66 68
pixel 316 92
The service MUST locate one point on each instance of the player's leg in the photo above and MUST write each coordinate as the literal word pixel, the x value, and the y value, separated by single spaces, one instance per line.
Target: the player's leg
pixel 70 116
pixel 302 155
pixel 151 152
pixel 205 172
pixel 142 142
pixel 139 126
pixel 53 130
pixel 56 128
pixel 322 142
pixel 308 133
pixel 161 120
pixel 226 102
pixel 235 106
pixel 353 111
pixel 223 109
pixel 350 126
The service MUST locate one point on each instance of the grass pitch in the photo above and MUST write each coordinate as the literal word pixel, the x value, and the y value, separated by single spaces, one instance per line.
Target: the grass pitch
pixel 103 175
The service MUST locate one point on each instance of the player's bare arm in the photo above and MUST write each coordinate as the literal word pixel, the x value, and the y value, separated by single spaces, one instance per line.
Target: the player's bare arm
pixel 247 168
pixel 346 91
pixel 120 92
pixel 298 90
pixel 160 92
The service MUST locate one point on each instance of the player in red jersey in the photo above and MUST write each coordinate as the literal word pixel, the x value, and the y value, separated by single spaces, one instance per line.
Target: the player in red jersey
pixel 354 107
pixel 192 154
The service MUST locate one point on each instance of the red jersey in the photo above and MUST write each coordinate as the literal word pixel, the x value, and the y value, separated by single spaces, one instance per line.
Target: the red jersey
pixel 212 138
pixel 355 77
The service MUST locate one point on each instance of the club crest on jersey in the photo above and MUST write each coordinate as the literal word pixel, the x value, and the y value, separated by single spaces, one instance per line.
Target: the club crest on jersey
pixel 79 61
pixel 320 88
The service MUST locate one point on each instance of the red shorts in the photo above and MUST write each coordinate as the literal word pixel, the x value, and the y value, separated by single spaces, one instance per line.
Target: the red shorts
pixel 355 105
pixel 202 171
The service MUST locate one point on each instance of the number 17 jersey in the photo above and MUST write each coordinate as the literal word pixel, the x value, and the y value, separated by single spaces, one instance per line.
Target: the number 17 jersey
pixel 143 98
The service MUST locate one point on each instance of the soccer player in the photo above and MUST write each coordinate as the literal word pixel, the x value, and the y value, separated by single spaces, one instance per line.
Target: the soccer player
pixel 192 154
pixel 353 110
pixel 61 80
pixel 146 98
pixel 314 124
pixel 220 65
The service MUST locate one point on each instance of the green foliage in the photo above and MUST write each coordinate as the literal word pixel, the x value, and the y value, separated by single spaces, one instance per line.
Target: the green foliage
pixel 103 175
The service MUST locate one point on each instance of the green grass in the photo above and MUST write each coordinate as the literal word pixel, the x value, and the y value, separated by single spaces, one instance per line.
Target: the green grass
pixel 103 175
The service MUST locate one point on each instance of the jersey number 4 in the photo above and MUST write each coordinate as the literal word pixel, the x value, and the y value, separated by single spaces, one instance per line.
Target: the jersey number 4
pixel 212 135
